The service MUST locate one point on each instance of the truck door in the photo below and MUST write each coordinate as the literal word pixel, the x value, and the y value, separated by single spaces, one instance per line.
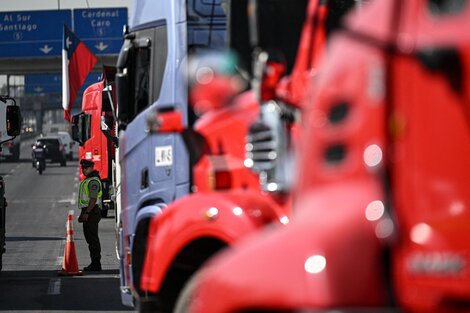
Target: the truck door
pixel 147 62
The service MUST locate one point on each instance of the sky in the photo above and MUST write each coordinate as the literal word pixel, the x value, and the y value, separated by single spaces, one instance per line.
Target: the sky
pixel 28 5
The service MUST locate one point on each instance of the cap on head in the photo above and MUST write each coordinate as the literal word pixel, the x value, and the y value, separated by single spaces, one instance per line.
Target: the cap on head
pixel 86 163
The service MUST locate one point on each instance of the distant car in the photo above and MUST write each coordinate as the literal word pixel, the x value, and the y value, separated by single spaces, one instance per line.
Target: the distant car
pixel 55 151
pixel 68 143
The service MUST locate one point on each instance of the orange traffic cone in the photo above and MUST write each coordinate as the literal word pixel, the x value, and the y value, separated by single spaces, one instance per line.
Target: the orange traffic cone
pixel 70 263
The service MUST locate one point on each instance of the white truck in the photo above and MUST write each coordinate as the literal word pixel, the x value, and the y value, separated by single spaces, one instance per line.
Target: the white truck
pixel 10 149
pixel 10 127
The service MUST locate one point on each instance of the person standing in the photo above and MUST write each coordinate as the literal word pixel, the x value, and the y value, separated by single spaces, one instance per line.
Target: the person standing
pixel 89 202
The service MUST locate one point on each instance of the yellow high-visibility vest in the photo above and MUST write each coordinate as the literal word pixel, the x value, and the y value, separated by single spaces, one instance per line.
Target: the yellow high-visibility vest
pixel 84 192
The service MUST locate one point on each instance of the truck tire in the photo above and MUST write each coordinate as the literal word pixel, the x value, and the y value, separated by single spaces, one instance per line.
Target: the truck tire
pixel 139 247
pixel 186 295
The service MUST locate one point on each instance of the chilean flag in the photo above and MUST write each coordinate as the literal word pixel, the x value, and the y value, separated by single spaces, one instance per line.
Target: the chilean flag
pixel 77 62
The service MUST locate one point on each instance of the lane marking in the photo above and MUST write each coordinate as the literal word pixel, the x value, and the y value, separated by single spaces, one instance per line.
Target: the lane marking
pixel 60 257
pixel 71 201
pixel 20 201
pixel 89 275
pixel 59 261
pixel 54 287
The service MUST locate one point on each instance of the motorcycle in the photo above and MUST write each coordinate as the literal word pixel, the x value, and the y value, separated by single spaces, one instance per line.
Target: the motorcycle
pixel 39 153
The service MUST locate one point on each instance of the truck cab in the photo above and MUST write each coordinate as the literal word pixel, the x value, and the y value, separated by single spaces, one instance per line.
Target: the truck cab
pixel 11 145
pixel 151 73
pixel 10 127
pixel 380 221
pixel 94 128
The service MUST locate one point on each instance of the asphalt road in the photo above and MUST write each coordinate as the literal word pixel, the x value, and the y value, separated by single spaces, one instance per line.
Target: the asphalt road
pixel 37 211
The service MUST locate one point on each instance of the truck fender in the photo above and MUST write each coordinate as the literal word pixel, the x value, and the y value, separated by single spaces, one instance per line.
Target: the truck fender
pixel 328 256
pixel 225 217
pixel 138 244
pixel 149 211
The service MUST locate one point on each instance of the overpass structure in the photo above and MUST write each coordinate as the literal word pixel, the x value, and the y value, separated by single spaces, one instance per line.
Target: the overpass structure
pixel 31 55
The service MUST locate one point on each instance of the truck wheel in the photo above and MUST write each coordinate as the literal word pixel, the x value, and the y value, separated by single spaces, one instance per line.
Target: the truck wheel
pixel 187 295
pixel 139 247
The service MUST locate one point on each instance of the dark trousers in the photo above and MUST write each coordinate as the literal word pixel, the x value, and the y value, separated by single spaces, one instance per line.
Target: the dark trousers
pixel 90 230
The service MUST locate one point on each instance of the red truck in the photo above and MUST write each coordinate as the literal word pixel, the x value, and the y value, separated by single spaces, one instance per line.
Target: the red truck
pixel 381 213
pixel 94 129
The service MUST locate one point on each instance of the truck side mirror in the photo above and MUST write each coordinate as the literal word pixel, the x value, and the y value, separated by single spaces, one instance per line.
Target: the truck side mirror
pixel 85 131
pixel 75 135
pixel 122 81
pixel 13 120
pixel 214 80
pixel 81 128
pixel 165 121
pixel 122 85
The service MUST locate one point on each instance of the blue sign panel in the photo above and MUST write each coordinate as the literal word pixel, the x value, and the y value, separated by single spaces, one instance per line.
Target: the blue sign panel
pixel 37 84
pixel 32 33
pixel 43 83
pixel 101 29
